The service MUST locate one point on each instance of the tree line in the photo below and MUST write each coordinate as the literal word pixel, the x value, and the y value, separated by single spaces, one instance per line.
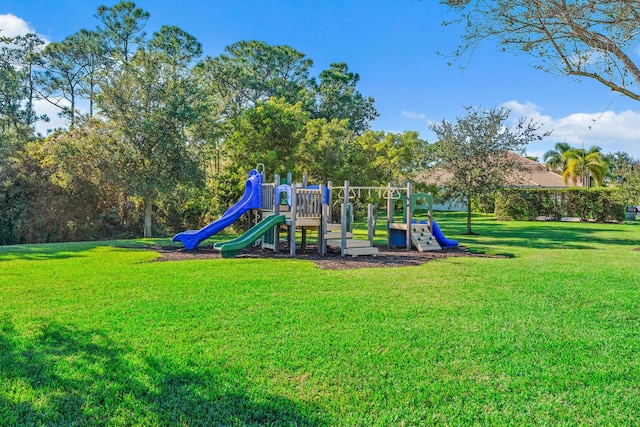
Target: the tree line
pixel 160 138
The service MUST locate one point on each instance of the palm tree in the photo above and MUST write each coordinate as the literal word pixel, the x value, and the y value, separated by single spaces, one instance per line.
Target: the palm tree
pixel 582 165
pixel 555 158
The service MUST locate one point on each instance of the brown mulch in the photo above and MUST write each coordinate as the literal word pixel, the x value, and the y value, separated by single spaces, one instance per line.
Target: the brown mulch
pixel 332 261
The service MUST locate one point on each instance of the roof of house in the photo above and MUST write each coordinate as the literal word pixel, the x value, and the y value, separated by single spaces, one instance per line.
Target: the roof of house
pixel 530 174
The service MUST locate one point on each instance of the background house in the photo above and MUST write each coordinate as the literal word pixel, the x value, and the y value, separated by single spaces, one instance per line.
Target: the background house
pixel 530 174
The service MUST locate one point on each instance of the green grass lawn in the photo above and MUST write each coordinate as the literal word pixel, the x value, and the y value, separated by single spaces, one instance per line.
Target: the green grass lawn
pixel 100 334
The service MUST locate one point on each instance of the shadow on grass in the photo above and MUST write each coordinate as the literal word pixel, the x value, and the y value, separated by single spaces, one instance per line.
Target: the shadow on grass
pixel 40 252
pixel 555 236
pixel 65 376
pixel 47 251
pixel 549 235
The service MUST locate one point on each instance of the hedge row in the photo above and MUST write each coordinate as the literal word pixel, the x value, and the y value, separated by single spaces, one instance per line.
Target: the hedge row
pixel 599 204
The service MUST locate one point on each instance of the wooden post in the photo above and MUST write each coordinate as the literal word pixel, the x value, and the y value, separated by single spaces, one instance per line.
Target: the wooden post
pixel 431 213
pixel 276 208
pixel 409 216
pixel 389 213
pixel 289 178
pixel 343 228
pixel 329 200
pixel 371 225
pixel 322 228
pixel 292 229
pixel 343 219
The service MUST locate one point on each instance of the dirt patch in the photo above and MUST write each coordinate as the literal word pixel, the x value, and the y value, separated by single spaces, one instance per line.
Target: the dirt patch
pixel 332 261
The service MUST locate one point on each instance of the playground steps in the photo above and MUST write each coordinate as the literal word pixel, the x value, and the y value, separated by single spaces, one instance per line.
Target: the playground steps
pixel 369 250
pixel 354 247
pixel 422 238
pixel 336 235
pixel 351 243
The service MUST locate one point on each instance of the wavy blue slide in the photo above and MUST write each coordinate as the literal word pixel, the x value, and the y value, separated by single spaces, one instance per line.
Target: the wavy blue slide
pixel 442 240
pixel 252 199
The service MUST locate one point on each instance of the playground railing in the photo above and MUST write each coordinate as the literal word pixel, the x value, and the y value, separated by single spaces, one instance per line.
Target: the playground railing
pixel 308 203
pixel 268 196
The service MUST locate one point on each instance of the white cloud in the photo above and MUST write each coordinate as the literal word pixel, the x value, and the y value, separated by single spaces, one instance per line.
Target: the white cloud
pixel 612 131
pixel 44 107
pixel 13 26
pixel 412 115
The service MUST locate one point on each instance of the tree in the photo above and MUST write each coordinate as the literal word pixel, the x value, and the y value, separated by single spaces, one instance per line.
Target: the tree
pixel 322 152
pixel 630 184
pixel 93 57
pixel 123 25
pixel 269 133
pixel 337 98
pixel 594 39
pixel 64 75
pixel 477 152
pixel 149 103
pixel 20 57
pixel 13 115
pixel 253 71
pixel 620 164
pixel 377 158
pixel 582 165
pixel 555 159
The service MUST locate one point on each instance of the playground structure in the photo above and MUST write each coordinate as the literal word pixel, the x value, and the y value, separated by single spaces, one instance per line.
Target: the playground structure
pixel 282 206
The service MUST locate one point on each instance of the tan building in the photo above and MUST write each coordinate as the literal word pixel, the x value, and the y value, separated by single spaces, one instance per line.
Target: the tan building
pixel 535 175
pixel 530 174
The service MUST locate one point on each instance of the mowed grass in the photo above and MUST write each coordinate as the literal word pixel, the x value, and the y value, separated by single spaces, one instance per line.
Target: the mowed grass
pixel 99 334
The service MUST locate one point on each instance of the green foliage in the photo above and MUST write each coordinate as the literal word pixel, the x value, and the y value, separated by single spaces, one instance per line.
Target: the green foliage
pixel 253 71
pixel 62 189
pixel 597 204
pixel 377 157
pixel 476 153
pixel 268 133
pixel 322 152
pixel 19 56
pixel 149 104
pixel 227 189
pixel 175 137
pixel 337 98
pixel 581 165
pixel 122 27
pixel 556 159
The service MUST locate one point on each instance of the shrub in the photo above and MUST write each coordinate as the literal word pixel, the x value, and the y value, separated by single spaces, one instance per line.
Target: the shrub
pixel 598 204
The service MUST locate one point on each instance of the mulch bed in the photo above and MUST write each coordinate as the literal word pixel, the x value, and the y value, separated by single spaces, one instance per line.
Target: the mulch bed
pixel 332 261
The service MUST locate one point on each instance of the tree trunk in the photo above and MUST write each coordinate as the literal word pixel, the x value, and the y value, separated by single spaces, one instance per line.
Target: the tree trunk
pixel 469 214
pixel 148 210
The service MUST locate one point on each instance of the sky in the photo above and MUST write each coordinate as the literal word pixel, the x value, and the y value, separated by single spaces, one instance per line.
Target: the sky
pixel 399 48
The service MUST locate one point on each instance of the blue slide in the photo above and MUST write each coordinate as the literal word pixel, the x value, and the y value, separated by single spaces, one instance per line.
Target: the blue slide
pixel 442 240
pixel 252 199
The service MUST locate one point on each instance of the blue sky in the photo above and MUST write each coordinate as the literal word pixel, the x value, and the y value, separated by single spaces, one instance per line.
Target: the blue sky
pixel 393 45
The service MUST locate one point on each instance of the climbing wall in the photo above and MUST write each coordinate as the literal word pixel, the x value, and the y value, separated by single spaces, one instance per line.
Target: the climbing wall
pixel 422 238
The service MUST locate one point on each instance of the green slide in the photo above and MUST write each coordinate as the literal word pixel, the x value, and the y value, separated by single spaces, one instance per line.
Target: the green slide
pixel 231 247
